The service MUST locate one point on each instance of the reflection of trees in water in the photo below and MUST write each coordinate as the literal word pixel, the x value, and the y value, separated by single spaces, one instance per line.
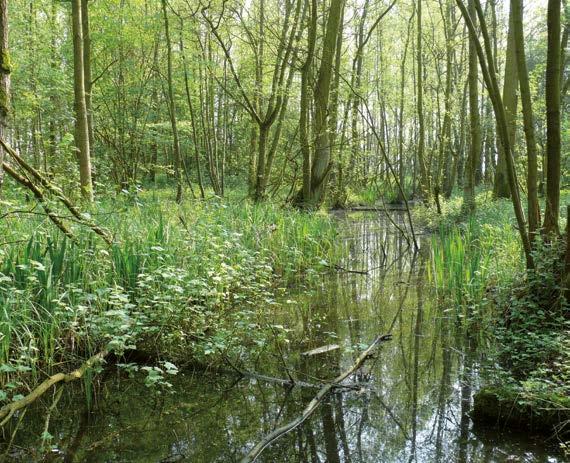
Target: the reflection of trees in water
pixel 416 339
pixel 413 406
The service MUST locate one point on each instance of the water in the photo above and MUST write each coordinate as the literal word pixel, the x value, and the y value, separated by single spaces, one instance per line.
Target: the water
pixel 410 402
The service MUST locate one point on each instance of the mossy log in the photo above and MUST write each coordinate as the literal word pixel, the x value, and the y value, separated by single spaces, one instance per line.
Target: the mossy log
pixel 504 407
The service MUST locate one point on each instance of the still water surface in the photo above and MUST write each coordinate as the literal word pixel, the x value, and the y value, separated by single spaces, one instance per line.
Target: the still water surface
pixel 411 405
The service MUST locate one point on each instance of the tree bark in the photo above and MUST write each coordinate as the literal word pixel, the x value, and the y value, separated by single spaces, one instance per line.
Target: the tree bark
pixel 532 170
pixel 5 70
pixel 81 124
pixel 446 145
pixel 320 166
pixel 172 105
pixel 474 124
pixel 192 116
pixel 424 181
pixel 501 186
pixel 486 62
pixel 87 68
pixel 553 143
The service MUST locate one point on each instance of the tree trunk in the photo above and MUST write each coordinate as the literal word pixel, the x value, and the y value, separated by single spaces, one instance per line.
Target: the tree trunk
pixel 5 69
pixel 424 181
pixel 172 106
pixel 320 166
pixel 87 67
pixel 446 145
pixel 81 124
pixel 486 62
pixel 567 260
pixel 475 125
pixel 532 171
pixel 501 187
pixel 553 145
pixel 401 169
pixel 192 117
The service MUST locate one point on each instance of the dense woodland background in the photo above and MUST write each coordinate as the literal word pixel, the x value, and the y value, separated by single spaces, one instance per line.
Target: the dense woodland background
pixel 276 95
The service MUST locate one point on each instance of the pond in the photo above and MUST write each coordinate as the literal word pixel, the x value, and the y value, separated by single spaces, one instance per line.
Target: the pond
pixel 409 403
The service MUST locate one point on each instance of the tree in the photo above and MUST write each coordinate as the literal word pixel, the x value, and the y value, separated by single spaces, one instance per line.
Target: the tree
pixel 474 123
pixel 320 165
pixel 263 107
pixel 81 118
pixel 424 179
pixel 501 186
pixel 172 105
pixel 528 117
pixel 87 68
pixel 5 69
pixel 487 65
pixel 553 143
pixel 305 101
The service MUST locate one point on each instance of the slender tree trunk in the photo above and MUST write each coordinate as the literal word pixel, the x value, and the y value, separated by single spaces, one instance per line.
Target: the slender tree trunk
pixel 553 143
pixel 486 62
pixel 192 117
pixel 501 188
pixel 424 181
pixel 305 104
pixel 155 105
pixel 356 81
pixel 532 170
pixel 252 168
pixel 401 169
pixel 320 167
pixel 87 68
pixel 446 145
pixel 172 105
pixel 333 117
pixel 566 280
pixel 5 69
pixel 474 124
pixel 81 124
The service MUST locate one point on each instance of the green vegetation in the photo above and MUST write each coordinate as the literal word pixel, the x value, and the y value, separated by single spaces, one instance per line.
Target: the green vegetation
pixel 184 283
pixel 165 168
pixel 476 267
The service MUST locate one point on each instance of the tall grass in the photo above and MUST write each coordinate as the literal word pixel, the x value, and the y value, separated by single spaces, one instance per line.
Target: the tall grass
pixel 470 259
pixel 459 264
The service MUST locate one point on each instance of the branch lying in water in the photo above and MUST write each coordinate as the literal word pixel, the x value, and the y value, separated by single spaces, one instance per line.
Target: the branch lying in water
pixel 314 404
pixel 7 411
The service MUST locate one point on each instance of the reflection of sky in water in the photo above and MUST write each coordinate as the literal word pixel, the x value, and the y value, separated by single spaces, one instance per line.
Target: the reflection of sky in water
pixel 411 404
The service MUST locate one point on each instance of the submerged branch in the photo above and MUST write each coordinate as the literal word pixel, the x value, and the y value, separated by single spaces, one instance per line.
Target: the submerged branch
pixel 313 405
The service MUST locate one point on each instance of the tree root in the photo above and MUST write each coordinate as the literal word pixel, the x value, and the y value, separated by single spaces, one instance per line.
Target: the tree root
pixel 313 405
pixel 7 411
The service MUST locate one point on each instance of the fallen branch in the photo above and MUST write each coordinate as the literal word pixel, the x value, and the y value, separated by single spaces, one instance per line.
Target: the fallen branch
pixel 56 191
pixel 41 199
pixel 338 268
pixel 313 405
pixel 7 411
